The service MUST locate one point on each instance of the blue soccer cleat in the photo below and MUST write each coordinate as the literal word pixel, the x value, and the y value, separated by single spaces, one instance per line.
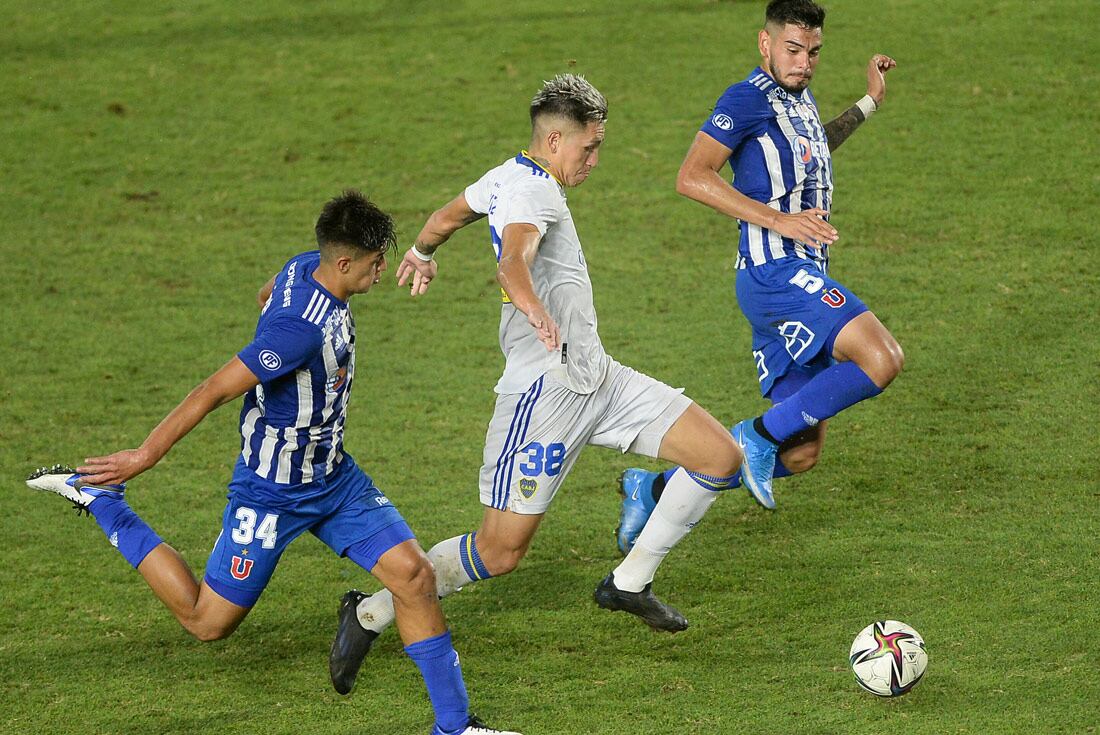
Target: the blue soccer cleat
pixel 758 463
pixel 636 487
pixel 66 482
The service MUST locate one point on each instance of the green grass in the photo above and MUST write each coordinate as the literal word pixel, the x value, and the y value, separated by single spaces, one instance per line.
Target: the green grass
pixel 158 162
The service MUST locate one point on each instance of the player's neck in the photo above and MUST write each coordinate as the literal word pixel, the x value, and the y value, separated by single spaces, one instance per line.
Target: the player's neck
pixel 536 154
pixel 331 280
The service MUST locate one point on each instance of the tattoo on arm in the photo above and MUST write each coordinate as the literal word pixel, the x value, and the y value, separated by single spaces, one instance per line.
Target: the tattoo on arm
pixel 838 129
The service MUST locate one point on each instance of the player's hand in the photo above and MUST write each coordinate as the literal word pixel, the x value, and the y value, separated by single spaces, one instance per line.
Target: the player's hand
pixel 422 272
pixel 116 468
pixel 545 327
pixel 876 76
pixel 808 227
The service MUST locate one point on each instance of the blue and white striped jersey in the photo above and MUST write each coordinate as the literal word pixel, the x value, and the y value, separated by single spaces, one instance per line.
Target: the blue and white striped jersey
pixel 292 423
pixel 780 157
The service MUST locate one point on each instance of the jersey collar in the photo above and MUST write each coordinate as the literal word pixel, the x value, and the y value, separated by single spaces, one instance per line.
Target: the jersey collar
pixel 525 159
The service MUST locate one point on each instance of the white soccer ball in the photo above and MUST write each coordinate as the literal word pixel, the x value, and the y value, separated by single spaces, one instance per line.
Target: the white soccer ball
pixel 888 658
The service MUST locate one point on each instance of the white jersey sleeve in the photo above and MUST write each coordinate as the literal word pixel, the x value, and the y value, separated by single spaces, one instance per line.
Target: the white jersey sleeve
pixel 479 194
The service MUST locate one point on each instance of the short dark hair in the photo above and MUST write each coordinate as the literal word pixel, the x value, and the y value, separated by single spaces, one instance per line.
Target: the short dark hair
pixel 354 221
pixel 571 96
pixel 804 13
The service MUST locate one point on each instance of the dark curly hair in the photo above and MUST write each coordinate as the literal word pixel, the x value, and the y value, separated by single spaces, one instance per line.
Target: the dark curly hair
pixel 353 220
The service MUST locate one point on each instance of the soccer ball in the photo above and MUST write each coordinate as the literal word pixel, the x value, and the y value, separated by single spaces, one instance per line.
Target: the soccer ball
pixel 888 658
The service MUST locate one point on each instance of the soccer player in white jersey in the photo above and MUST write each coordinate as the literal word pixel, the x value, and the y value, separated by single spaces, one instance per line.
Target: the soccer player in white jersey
pixel 560 391
pixel 816 346
pixel 292 475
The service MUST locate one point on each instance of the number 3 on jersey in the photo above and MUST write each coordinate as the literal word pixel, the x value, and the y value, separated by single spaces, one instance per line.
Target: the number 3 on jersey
pixel 540 459
pixel 247 530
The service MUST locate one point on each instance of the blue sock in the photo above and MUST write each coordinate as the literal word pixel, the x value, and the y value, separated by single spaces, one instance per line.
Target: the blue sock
pixel 124 528
pixel 438 664
pixel 827 394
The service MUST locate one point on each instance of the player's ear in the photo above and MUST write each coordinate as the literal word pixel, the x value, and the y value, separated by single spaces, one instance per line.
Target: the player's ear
pixel 553 140
pixel 763 41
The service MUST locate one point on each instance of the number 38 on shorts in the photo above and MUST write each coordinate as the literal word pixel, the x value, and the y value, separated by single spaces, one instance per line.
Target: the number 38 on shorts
pixel 542 460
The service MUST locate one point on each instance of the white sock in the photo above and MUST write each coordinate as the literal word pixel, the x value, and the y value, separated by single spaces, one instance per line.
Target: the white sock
pixel 682 505
pixel 376 612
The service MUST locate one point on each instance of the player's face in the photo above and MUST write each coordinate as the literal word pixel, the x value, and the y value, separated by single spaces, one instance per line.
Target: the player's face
pixel 579 152
pixel 365 271
pixel 790 54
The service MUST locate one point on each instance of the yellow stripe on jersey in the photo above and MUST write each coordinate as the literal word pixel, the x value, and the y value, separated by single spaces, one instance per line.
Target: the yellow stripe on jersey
pixel 527 155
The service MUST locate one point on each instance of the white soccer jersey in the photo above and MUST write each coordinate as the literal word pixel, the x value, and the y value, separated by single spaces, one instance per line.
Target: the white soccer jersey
pixel 521 191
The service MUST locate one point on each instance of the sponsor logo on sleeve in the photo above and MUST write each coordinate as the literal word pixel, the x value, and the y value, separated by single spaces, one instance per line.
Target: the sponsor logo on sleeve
pixel 270 360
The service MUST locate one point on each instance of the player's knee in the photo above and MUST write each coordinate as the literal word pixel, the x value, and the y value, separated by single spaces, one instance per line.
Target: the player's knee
pixel 412 576
pixel 724 460
pixel 884 362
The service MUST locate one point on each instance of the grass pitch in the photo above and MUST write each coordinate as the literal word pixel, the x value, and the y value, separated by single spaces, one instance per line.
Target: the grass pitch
pixel 159 162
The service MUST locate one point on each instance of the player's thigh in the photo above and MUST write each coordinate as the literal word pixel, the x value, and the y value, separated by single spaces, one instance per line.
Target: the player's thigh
pixel 796 312
pixel 357 520
pixel 532 442
pixel 253 537
pixel 699 443
pixel 636 411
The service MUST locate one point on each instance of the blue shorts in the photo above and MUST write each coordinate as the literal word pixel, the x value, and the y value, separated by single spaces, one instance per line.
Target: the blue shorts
pixel 796 312
pixel 257 527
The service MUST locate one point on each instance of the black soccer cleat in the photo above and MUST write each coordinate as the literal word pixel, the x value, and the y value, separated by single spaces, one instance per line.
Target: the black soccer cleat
pixel 644 604
pixel 351 645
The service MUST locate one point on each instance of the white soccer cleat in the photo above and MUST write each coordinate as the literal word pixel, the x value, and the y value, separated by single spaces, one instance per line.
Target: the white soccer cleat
pixel 65 481
pixel 475 727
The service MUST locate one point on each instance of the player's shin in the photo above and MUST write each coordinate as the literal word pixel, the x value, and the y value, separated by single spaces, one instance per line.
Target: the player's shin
pixel 439 665
pixel 456 563
pixel 132 536
pixel 827 394
pixel 684 501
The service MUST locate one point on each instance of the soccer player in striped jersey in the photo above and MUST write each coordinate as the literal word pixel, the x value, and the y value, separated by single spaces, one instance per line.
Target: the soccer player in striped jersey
pixel 292 475
pixel 560 390
pixel 816 346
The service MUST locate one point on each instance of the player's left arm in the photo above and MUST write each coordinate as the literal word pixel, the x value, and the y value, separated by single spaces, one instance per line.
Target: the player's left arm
pixel 843 125
pixel 265 292
pixel 228 383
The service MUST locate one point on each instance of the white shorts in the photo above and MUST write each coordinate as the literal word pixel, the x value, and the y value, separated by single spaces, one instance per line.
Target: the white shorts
pixel 534 438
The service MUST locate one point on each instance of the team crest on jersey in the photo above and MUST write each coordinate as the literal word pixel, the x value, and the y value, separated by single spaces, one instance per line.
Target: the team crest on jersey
pixel 528 487
pixel 336 381
pixel 241 568
pixel 798 337
pixel 803 149
pixel 724 122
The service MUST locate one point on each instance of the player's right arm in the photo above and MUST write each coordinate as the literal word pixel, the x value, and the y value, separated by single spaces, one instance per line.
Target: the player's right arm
pixel 699 179
pixel 443 223
pixel 519 246
pixel 228 383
